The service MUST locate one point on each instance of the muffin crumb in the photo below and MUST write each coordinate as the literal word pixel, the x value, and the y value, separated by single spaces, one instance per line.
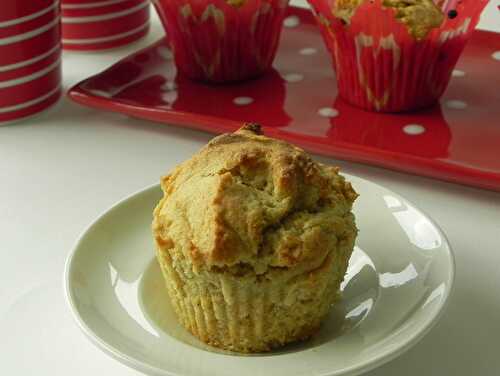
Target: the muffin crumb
pixel 419 16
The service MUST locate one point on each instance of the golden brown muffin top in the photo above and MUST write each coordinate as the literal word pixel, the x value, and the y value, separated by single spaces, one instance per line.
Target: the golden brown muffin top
pixel 249 201
pixel 236 3
pixel 419 16
pixel 345 9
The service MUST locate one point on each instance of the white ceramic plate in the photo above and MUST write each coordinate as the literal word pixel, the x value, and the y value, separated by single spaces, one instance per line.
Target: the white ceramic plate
pixel 399 278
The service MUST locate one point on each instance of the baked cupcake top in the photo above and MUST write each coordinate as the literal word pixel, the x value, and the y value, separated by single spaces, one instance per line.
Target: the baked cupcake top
pixel 345 9
pixel 249 202
pixel 419 16
pixel 236 3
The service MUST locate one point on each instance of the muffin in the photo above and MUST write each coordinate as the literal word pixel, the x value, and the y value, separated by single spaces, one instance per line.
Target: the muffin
pixel 395 55
pixel 253 238
pixel 223 40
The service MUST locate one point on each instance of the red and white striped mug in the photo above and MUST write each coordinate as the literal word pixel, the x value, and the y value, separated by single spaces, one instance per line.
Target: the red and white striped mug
pixel 103 24
pixel 30 57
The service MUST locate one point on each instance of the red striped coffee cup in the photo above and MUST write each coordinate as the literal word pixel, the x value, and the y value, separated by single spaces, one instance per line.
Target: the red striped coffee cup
pixel 103 24
pixel 30 57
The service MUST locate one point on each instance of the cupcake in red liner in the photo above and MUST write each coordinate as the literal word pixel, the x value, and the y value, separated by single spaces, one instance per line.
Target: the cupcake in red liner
pixel 395 55
pixel 223 40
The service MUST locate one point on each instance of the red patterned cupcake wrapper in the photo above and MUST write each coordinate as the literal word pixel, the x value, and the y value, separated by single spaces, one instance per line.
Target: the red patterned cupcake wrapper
pixel 219 42
pixel 381 67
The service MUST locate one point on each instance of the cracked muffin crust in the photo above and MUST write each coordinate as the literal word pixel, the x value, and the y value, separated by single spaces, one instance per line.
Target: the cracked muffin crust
pixel 254 239
pixel 419 16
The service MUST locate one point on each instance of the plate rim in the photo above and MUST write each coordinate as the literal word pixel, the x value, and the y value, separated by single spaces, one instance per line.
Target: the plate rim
pixel 356 369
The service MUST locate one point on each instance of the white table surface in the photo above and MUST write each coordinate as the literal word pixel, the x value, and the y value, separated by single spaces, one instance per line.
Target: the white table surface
pixel 65 167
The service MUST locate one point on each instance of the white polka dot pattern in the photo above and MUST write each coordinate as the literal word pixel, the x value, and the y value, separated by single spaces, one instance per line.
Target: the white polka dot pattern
pixel 291 21
pixel 413 129
pixel 458 73
pixel 308 51
pixel 242 101
pixel 496 55
pixel 328 112
pixel 456 104
pixel 293 77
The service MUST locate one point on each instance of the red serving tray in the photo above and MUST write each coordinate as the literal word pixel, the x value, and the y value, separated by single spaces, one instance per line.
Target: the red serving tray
pixel 457 140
